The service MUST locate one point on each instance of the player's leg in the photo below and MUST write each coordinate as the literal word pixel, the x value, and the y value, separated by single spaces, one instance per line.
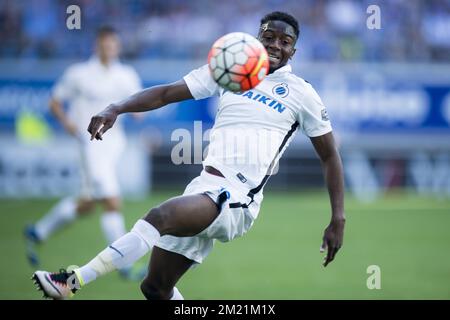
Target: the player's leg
pixel 165 269
pixel 112 221
pixel 64 212
pixel 85 206
pixel 181 216
pixel 61 214
pixel 58 216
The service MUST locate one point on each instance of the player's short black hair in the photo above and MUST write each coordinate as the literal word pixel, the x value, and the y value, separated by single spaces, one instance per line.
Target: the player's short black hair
pixel 106 31
pixel 282 16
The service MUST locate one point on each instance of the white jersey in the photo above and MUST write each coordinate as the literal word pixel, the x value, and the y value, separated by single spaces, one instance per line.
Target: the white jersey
pixel 89 87
pixel 253 128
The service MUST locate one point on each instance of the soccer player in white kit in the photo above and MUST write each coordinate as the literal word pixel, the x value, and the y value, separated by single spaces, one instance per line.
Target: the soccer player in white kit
pixel 87 87
pixel 224 201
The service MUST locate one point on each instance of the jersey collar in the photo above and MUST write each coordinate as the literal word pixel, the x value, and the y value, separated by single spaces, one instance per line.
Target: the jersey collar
pixel 95 60
pixel 286 68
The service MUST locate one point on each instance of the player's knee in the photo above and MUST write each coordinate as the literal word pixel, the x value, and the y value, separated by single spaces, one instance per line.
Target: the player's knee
pixel 111 204
pixel 151 292
pixel 159 218
pixel 85 207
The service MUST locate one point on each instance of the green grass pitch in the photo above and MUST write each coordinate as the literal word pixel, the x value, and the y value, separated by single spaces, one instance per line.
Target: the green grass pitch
pixel 407 236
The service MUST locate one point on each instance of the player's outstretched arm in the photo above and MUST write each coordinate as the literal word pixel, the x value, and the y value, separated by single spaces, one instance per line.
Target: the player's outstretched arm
pixel 334 177
pixel 148 99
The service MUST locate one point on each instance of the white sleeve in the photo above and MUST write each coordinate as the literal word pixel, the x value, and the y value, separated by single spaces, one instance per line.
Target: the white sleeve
pixel 65 88
pixel 201 84
pixel 313 115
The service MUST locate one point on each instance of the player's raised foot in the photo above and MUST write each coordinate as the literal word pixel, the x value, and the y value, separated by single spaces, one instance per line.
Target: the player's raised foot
pixel 32 239
pixel 58 286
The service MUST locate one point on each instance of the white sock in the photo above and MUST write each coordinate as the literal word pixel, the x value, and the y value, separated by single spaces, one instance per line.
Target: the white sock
pixel 61 214
pixel 113 225
pixel 121 253
pixel 176 294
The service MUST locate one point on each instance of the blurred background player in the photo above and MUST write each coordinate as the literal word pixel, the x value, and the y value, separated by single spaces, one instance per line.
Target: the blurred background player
pixel 87 87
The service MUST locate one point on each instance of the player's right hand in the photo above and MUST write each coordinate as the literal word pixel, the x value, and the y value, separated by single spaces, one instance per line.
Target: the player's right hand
pixel 101 123
pixel 333 238
pixel 71 129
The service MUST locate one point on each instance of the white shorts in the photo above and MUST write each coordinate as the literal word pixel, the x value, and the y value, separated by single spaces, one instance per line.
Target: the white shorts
pixel 99 160
pixel 232 222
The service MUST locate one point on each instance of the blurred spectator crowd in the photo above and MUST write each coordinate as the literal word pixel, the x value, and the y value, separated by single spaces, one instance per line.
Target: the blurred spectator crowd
pixel 411 30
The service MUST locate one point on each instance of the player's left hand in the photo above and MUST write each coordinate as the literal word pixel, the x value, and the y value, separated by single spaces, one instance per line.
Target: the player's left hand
pixel 101 123
pixel 333 237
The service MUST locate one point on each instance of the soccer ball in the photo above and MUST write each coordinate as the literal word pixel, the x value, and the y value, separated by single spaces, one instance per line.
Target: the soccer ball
pixel 238 61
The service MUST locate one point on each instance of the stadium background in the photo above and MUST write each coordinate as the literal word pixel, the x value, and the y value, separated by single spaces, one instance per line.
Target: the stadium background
pixel 387 92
